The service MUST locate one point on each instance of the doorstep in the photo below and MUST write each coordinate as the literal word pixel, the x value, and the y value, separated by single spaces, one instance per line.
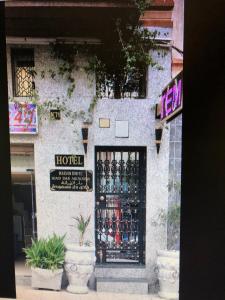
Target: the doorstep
pixel 119 271
pixel 137 286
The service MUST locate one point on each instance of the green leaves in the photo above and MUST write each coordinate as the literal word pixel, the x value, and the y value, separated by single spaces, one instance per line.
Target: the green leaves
pixel 173 225
pixel 142 5
pixel 93 103
pixel 82 225
pixel 174 215
pixel 46 253
pixel 120 66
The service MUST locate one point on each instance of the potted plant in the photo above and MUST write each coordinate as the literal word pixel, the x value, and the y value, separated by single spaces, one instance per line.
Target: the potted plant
pixel 168 274
pixel 79 260
pixel 46 259
pixel 168 260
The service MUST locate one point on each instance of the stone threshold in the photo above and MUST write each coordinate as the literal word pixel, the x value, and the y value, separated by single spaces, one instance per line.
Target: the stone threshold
pixel 119 266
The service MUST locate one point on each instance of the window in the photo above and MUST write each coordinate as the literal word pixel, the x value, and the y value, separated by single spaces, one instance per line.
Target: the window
pixel 23 72
pixel 128 87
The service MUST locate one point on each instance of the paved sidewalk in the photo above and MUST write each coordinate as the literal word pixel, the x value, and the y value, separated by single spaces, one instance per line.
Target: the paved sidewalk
pixel 27 293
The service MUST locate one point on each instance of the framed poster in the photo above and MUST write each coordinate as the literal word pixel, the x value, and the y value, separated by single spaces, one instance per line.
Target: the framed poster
pixel 23 118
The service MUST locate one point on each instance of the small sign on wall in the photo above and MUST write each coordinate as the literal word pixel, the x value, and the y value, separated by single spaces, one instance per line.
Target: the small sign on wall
pixel 71 180
pixel 104 123
pixel 55 114
pixel 122 129
pixel 69 160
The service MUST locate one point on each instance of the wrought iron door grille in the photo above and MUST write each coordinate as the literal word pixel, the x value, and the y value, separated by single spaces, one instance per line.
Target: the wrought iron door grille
pixel 120 206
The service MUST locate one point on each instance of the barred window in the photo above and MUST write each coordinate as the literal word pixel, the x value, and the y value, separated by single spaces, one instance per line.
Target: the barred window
pixel 23 72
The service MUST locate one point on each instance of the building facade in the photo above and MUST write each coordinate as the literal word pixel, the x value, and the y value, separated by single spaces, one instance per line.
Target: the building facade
pixel 121 180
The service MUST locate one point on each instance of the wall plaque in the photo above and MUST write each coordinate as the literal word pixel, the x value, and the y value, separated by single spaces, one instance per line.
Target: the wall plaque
pixel 55 114
pixel 122 129
pixel 104 123
pixel 69 160
pixel 71 180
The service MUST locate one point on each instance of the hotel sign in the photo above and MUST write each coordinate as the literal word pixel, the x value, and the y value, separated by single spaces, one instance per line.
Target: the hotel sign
pixel 172 99
pixel 71 180
pixel 70 160
pixel 23 118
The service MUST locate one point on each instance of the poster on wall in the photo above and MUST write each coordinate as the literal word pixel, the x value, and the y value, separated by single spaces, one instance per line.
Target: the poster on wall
pixel 23 118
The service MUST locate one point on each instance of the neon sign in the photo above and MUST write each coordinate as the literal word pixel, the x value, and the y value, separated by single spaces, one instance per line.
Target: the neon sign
pixel 172 99
pixel 23 118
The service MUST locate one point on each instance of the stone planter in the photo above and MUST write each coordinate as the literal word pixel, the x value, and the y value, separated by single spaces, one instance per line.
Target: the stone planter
pixel 46 279
pixel 79 265
pixel 168 274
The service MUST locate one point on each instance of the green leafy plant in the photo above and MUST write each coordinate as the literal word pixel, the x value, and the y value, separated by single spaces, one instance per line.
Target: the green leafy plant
pixel 174 185
pixel 171 218
pixel 46 253
pixel 119 67
pixel 173 226
pixel 82 225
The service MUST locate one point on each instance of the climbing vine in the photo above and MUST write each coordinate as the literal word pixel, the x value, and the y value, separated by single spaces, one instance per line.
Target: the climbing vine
pixel 120 66
pixel 43 108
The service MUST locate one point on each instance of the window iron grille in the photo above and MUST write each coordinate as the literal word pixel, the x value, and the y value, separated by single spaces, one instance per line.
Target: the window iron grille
pixel 120 206
pixel 23 72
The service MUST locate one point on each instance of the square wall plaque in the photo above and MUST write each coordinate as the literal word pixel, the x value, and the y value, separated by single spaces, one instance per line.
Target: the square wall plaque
pixel 104 123
pixel 122 129
pixel 55 114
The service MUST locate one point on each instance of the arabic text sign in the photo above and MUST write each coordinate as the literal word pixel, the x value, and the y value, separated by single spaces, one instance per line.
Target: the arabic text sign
pixel 172 98
pixel 71 180
pixel 23 118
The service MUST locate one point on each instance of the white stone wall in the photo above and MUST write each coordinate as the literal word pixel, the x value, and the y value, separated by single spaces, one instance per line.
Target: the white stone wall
pixel 56 209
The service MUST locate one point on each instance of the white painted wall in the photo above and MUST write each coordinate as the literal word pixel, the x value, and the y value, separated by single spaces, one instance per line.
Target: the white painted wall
pixel 56 209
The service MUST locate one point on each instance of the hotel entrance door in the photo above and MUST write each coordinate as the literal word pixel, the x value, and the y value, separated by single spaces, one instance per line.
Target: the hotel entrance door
pixel 120 184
